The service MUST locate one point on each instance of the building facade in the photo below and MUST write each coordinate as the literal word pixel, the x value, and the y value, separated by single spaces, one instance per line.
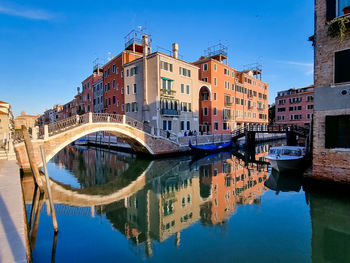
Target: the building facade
pixel 236 99
pixel 162 90
pixel 113 74
pixel 98 95
pixel 331 152
pixel 6 124
pixel 295 106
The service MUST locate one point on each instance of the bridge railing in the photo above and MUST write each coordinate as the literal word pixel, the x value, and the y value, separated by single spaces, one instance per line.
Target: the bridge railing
pixel 56 127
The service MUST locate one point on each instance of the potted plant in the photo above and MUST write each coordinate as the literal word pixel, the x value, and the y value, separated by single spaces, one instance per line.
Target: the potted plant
pixel 338 27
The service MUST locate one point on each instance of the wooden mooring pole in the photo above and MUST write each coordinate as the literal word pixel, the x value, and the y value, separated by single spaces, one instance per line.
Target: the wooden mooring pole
pixel 30 153
pixel 53 213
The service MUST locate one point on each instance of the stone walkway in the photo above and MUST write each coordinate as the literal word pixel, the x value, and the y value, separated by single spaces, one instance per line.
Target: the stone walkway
pixel 12 225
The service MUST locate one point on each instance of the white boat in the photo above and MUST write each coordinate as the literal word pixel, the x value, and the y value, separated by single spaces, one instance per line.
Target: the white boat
pixel 285 158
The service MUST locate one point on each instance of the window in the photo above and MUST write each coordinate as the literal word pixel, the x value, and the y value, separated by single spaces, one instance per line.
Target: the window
pixel 135 88
pixel 226 72
pixel 127 72
pixel 134 107
pixel 215 111
pixel 205 96
pixel 205 79
pixel 205 67
pixel 337 131
pixel 187 89
pixel 113 68
pixel 109 101
pixel 310 98
pixel 214 95
pixel 281 109
pixel 166 66
pixel 184 72
pixel 205 111
pixel 182 125
pixel 310 107
pixel 215 81
pixel 127 89
pixel 188 125
pixel 122 91
pixel 225 126
pixel 281 102
pixel 164 125
pixel 215 67
pixel 114 84
pixel 169 125
pixel 182 88
pixel 114 100
pixel 133 71
pixel 166 84
pixel 342 66
pixel 216 126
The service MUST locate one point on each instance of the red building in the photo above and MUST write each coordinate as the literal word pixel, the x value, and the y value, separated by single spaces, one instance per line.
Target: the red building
pixel 88 92
pixel 113 73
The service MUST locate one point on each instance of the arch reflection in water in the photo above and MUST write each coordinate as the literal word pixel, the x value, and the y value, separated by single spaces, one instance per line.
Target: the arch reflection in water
pixel 149 201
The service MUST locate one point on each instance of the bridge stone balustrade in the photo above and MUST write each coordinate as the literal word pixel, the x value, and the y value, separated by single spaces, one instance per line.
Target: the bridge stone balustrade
pixel 56 136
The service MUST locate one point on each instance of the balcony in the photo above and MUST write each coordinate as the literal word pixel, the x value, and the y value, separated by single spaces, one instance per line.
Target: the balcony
pixel 167 92
pixel 228 104
pixel 169 112
pixel 260 109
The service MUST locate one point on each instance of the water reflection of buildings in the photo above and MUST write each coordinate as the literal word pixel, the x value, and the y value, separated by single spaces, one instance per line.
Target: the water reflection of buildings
pixel 330 217
pixel 92 166
pixel 230 183
pixel 207 190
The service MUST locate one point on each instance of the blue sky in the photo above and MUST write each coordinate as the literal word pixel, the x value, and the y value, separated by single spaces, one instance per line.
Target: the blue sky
pixel 47 47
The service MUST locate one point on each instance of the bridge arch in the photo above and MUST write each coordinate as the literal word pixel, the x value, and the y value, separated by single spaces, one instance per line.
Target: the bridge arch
pixel 120 132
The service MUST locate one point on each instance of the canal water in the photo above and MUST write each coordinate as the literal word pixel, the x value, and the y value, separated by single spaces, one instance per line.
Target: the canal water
pixel 228 207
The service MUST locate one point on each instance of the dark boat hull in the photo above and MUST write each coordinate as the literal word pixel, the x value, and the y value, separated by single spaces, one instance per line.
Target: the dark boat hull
pixel 210 149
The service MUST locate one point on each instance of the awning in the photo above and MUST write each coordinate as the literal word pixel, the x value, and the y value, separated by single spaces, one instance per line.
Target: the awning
pixel 166 79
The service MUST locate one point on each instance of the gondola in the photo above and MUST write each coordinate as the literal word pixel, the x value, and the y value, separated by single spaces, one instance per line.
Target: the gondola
pixel 210 148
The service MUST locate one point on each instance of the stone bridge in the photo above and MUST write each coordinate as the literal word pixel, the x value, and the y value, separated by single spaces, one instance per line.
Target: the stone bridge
pixel 54 137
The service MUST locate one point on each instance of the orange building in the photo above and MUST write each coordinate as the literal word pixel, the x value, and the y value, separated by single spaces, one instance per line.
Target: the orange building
pixel 113 73
pixel 236 99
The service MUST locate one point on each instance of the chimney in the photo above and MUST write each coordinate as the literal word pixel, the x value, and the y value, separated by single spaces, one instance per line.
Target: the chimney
pixel 175 50
pixel 145 44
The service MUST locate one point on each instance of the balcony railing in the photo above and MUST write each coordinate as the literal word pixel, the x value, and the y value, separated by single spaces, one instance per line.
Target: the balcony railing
pixel 228 104
pixel 170 112
pixel 167 92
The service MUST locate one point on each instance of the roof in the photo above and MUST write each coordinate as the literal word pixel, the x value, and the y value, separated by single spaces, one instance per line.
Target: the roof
pixel 4 102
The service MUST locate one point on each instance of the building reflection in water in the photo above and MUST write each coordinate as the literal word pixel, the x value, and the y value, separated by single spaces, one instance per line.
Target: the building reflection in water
pixel 175 193
pixel 330 217
pixel 171 195
pixel 207 190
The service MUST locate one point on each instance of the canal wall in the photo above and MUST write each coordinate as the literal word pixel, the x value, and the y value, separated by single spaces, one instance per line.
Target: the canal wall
pixel 111 142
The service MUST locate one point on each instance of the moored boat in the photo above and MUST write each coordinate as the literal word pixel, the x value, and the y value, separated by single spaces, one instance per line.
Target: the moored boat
pixel 286 158
pixel 210 148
